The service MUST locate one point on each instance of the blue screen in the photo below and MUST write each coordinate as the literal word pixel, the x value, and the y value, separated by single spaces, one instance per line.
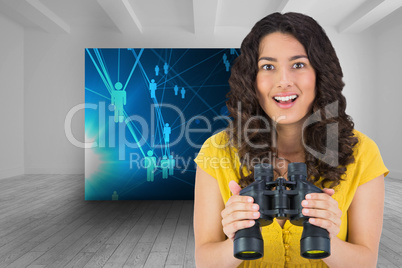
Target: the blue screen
pixel 147 114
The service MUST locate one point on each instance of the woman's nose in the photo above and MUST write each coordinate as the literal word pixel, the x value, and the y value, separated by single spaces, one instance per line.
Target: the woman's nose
pixel 285 79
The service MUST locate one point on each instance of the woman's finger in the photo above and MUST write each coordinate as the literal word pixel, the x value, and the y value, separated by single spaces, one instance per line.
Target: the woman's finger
pixel 231 229
pixel 332 228
pixel 323 214
pixel 239 216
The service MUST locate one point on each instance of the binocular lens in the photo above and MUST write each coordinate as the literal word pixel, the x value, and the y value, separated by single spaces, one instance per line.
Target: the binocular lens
pixel 315 254
pixel 315 248
pixel 315 251
pixel 248 255
pixel 315 243
pixel 248 243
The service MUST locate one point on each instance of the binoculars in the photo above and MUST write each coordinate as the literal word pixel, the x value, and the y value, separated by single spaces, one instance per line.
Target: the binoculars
pixel 281 199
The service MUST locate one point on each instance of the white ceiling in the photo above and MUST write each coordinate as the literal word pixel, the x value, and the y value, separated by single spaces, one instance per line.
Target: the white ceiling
pixel 199 17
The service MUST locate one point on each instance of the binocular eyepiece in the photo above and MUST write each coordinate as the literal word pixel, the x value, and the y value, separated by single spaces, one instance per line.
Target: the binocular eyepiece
pixel 281 199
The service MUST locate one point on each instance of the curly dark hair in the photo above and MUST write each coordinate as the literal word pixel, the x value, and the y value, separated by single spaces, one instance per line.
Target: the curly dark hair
pixel 244 107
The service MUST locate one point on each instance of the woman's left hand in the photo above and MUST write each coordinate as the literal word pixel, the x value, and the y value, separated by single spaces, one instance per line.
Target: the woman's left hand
pixel 323 210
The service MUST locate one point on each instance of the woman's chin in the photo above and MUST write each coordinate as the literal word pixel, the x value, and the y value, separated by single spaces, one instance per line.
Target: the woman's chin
pixel 288 119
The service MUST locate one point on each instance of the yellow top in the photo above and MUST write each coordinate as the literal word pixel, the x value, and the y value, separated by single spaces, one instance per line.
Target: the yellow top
pixel 282 246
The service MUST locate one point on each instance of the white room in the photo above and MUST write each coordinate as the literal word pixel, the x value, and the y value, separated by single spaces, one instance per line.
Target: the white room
pixel 42 71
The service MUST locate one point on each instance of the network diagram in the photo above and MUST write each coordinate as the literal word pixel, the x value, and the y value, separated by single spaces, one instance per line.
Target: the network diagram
pixel 149 111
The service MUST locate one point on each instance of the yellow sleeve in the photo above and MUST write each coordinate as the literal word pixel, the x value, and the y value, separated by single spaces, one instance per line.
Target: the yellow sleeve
pixel 213 155
pixel 218 159
pixel 204 156
pixel 371 161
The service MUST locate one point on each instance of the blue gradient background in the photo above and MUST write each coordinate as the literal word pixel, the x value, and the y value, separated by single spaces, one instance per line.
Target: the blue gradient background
pixel 205 78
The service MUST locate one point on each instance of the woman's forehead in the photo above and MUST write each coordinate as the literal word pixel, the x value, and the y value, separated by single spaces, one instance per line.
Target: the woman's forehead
pixel 280 43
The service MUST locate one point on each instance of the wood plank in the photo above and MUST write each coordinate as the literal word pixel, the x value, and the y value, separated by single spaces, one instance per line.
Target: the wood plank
pixel 79 260
pixel 139 255
pixel 156 260
pixel 164 239
pixel 120 255
pixel 54 253
pixel 189 259
pixel 68 254
pixel 101 256
pixel 178 246
pixel 25 260
pixel 14 254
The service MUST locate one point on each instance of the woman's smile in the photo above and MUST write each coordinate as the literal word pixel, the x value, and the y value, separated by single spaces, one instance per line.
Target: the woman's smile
pixel 285 100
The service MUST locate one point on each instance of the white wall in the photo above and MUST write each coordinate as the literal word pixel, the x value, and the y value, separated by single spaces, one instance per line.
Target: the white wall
pixel 53 84
pixel 387 72
pixel 354 52
pixel 11 99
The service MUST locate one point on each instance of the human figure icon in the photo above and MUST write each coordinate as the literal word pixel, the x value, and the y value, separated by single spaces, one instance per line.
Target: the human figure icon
pixel 152 88
pixel 115 196
pixel 176 90
pixel 227 64
pixel 164 166
pixel 119 98
pixel 172 163
pixel 150 164
pixel 224 58
pixel 166 67
pixel 183 92
pixel 166 132
pixel 156 70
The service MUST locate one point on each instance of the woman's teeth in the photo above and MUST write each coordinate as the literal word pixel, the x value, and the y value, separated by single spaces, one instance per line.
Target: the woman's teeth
pixel 284 99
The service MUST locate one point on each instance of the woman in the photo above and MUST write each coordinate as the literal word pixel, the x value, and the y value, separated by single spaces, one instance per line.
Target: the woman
pixel 287 106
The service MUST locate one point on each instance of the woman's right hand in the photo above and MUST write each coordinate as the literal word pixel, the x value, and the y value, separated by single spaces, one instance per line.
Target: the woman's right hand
pixel 240 212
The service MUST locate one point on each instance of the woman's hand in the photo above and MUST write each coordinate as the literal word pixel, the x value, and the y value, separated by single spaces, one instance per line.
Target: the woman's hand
pixel 240 212
pixel 323 210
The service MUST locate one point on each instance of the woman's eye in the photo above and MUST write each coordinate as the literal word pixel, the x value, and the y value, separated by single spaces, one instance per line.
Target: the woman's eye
pixel 268 67
pixel 298 65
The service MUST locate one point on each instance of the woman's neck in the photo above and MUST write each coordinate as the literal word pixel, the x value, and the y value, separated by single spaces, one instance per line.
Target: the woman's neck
pixel 289 142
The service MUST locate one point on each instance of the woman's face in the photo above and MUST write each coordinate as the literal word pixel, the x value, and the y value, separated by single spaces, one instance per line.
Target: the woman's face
pixel 285 80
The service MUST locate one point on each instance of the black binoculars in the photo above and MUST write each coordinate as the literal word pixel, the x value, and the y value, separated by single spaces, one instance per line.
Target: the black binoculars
pixel 283 202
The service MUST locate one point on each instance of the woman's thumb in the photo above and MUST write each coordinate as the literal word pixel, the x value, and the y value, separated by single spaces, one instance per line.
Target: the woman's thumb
pixel 234 187
pixel 330 192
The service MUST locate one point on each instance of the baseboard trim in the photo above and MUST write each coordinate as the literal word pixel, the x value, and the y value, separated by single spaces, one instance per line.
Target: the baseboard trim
pixel 56 170
pixel 395 174
pixel 11 172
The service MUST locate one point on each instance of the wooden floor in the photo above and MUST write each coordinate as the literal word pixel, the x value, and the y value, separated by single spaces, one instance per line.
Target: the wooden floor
pixel 45 222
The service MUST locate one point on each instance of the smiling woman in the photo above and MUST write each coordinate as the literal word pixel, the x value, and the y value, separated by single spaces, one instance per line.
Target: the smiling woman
pixel 286 90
